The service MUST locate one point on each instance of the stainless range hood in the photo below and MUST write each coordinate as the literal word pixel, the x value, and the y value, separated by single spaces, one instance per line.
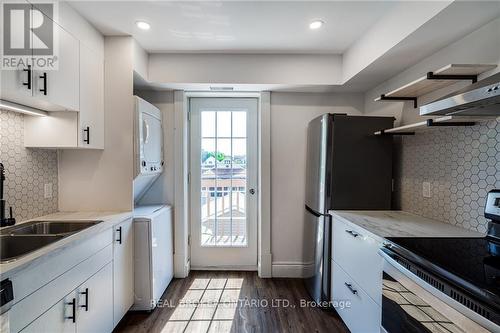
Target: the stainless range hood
pixel 479 99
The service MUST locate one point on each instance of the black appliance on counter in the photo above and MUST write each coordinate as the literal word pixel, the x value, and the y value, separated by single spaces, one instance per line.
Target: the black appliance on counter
pixel 343 156
pixel 463 273
pixel 4 221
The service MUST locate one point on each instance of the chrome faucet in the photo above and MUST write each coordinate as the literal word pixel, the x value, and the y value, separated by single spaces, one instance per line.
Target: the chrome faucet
pixel 4 221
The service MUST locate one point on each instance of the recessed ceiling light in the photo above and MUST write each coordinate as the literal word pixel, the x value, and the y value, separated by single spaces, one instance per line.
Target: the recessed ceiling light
pixel 143 25
pixel 316 24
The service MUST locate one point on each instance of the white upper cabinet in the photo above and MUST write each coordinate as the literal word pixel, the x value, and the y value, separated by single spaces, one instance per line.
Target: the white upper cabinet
pixel 58 89
pixel 76 85
pixel 91 117
pixel 36 83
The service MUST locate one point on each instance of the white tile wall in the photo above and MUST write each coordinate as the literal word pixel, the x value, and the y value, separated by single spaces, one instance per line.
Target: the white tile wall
pixel 27 170
pixel 461 163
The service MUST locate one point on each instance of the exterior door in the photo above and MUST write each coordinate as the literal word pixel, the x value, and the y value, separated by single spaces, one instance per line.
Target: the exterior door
pixel 223 183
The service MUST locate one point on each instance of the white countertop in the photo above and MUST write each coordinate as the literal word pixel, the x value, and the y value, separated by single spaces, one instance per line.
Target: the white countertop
pixel 109 220
pixel 401 224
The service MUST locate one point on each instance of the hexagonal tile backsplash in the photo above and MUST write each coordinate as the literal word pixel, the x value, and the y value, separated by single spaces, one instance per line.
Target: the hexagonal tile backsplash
pixel 461 163
pixel 27 170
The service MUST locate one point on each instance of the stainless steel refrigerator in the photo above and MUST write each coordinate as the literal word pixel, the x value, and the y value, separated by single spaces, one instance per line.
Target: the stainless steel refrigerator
pixel 347 168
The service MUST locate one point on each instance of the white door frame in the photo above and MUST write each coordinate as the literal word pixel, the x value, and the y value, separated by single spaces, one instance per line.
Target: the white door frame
pixel 224 257
pixel 181 165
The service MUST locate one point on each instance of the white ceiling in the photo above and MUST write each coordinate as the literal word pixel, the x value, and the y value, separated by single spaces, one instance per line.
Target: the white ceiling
pixel 237 26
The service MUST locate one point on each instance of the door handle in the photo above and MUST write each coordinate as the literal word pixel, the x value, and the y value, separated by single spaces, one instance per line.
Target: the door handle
pixel 73 309
pixel 349 286
pixel 86 293
pixel 119 240
pixel 252 191
pixel 44 89
pixel 87 131
pixel 28 82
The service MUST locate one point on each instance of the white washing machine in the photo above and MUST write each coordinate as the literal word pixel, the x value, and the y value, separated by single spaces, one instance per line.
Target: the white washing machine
pixel 153 256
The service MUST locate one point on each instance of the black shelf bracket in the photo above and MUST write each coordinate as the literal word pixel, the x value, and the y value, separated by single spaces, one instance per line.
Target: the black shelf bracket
pixel 432 76
pixel 383 132
pixel 399 99
pixel 431 123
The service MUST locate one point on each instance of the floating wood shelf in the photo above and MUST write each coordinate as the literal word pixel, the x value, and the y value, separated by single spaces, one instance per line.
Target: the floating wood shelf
pixel 433 81
pixel 428 124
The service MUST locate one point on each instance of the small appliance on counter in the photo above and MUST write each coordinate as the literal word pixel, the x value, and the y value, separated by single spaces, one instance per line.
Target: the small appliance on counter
pixel 4 221
pixel 444 284
pixel 148 146
pixel 153 254
pixel 343 156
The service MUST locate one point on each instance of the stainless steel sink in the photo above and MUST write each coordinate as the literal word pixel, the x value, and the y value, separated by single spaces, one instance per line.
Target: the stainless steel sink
pixel 48 227
pixel 12 247
pixel 28 237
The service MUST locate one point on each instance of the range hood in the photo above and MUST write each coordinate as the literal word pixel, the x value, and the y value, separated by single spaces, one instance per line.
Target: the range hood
pixel 479 99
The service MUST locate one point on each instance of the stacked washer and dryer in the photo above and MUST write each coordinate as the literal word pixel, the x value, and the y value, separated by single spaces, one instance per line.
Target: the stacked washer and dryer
pixel 153 229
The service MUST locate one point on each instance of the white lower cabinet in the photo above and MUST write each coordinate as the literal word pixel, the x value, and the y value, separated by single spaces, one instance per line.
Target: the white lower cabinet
pixel 357 276
pixel 123 270
pixel 88 308
pixel 57 319
pixel 357 253
pixel 362 315
pixel 95 303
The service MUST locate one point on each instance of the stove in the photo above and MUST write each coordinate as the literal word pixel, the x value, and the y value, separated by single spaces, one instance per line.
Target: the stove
pixel 465 269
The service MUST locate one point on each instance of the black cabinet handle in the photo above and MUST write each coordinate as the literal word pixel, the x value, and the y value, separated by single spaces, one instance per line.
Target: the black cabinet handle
pixel 73 308
pixel 349 286
pixel 86 293
pixel 352 233
pixel 28 83
pixel 44 89
pixel 119 240
pixel 87 131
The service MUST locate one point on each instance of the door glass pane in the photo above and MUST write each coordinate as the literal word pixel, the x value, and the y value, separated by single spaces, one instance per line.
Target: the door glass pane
pixel 223 179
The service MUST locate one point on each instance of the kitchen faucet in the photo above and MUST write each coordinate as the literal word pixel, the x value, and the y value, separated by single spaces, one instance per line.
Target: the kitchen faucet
pixel 4 221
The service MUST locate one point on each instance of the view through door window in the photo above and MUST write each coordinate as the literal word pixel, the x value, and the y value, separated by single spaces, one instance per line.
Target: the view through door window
pixel 223 178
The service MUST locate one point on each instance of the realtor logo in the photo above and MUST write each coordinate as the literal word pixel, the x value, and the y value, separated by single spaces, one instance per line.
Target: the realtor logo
pixel 28 35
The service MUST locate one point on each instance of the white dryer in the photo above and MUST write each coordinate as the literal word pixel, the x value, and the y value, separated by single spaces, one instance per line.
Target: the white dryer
pixel 153 254
pixel 148 146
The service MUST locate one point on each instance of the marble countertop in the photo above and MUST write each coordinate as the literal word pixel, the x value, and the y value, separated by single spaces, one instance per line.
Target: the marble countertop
pixel 402 224
pixel 109 220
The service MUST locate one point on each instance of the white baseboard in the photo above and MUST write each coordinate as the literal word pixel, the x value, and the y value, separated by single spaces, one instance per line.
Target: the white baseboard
pixel 252 268
pixel 292 269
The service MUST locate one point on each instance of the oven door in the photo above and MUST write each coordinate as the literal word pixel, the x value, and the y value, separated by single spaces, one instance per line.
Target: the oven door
pixel 410 305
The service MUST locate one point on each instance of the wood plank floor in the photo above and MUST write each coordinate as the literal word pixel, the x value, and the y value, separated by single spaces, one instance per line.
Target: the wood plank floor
pixel 233 302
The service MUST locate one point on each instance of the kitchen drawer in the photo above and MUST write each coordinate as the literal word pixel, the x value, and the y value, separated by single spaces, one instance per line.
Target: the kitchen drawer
pixel 357 254
pixel 363 315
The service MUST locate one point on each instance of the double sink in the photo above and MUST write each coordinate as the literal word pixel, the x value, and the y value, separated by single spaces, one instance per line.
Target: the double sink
pixel 22 239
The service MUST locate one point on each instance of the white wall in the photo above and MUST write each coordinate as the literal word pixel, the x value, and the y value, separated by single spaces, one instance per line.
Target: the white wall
pixel 245 68
pixel 95 180
pixel 481 46
pixel 383 36
pixel 162 190
pixel 290 114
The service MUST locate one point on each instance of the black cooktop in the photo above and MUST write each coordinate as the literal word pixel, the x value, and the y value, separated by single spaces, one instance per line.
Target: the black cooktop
pixel 472 264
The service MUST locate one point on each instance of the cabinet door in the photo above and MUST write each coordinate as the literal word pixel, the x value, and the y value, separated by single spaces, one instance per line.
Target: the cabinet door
pixel 358 311
pixel 17 84
pixel 95 302
pixel 123 269
pixel 58 89
pixel 91 116
pixel 59 318
pixel 357 254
